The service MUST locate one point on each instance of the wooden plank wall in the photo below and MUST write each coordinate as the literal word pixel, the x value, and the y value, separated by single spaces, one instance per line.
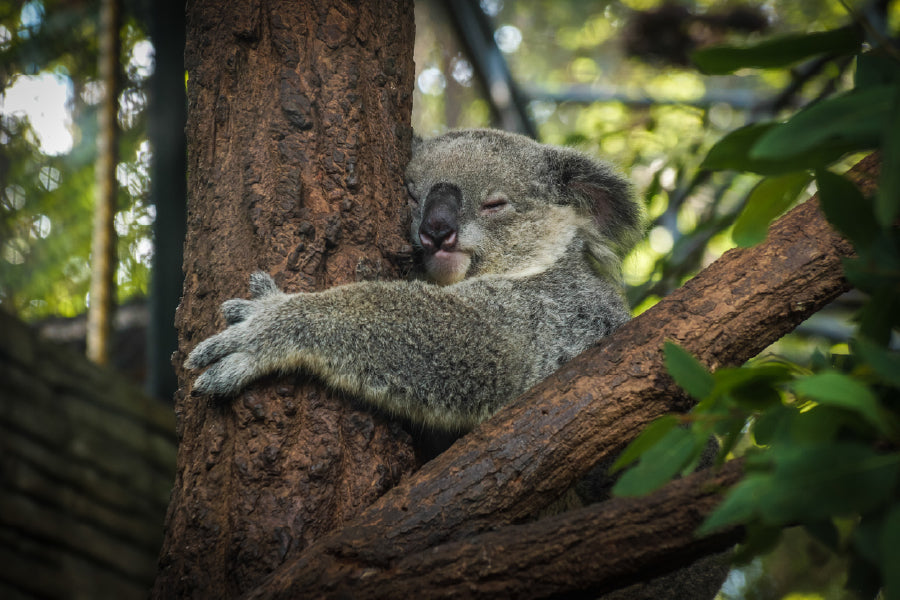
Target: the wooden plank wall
pixel 87 462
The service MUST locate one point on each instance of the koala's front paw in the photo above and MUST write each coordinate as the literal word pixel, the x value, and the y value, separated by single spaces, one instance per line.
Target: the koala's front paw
pixel 233 356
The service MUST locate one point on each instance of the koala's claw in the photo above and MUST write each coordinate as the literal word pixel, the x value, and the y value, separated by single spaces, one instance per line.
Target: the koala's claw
pixel 226 377
pixel 212 349
pixel 229 364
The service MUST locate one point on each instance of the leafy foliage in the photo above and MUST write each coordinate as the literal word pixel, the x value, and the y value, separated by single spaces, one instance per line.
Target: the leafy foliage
pixel 822 444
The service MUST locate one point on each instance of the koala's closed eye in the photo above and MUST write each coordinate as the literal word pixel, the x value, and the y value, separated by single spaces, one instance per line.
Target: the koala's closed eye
pixel 494 203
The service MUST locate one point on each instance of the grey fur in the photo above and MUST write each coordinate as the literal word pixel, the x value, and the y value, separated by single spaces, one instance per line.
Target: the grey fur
pixel 531 277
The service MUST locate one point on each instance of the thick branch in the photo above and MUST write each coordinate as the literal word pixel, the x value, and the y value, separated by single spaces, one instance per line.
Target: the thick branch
pixel 531 451
pixel 622 540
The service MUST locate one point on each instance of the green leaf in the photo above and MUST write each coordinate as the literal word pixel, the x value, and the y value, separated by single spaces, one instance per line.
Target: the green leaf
pixel 819 424
pixel 773 425
pixel 884 362
pixel 759 539
pixel 648 438
pixel 874 68
pixel 818 481
pixel 659 464
pixel 770 198
pixel 882 311
pixel 777 52
pixel 687 371
pixel 890 554
pixel 846 208
pixel 772 373
pixel 756 395
pixel 887 198
pixel 733 152
pixel 842 391
pixel 740 504
pixel 847 122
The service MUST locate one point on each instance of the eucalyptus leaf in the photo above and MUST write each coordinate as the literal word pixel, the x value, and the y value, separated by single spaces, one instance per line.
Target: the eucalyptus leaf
pixel 876 68
pixel 883 361
pixel 687 371
pixel 756 395
pixel 817 481
pixel 740 504
pixel 648 437
pixel 887 198
pixel 855 120
pixel 770 198
pixel 663 461
pixel 777 52
pixel 842 391
pixel 774 425
pixel 733 152
pixel 770 372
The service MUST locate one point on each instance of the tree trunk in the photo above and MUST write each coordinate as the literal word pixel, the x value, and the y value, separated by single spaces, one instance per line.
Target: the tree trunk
pixel 103 242
pixel 298 132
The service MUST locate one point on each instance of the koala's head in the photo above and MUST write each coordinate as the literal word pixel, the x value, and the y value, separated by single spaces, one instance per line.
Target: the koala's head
pixel 487 201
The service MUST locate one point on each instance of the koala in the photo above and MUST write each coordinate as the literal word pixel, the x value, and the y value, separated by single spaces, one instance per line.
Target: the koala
pixel 521 244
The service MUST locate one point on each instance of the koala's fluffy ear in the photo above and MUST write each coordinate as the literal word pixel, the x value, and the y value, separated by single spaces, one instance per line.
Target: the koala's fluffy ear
pixel 596 188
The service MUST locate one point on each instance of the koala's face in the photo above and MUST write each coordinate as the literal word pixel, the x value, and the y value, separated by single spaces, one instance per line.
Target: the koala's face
pixel 483 202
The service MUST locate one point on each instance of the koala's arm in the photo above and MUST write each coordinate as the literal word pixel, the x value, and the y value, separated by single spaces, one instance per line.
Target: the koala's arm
pixel 415 349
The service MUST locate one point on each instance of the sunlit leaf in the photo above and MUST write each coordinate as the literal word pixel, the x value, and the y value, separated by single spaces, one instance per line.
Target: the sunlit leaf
pixel 770 198
pixel 687 371
pixel 855 120
pixel 777 52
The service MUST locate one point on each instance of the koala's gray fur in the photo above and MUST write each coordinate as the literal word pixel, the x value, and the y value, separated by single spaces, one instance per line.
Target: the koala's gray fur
pixel 524 241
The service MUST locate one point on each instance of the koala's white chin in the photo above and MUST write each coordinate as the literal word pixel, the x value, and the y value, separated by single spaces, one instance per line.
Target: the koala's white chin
pixel 445 267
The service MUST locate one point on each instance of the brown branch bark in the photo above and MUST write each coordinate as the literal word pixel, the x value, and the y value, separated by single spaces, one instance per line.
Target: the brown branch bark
pixel 585 552
pixel 534 449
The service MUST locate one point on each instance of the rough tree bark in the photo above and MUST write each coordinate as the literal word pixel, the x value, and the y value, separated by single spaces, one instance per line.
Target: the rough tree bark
pixel 298 131
pixel 535 448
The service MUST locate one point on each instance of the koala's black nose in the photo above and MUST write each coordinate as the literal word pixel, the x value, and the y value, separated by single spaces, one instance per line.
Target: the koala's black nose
pixel 440 220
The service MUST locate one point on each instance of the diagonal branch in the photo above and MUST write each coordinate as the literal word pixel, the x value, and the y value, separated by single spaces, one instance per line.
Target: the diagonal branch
pixel 622 541
pixel 535 448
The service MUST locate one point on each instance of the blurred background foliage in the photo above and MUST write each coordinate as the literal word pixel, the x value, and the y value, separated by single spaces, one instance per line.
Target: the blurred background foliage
pixel 49 48
pixel 611 77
